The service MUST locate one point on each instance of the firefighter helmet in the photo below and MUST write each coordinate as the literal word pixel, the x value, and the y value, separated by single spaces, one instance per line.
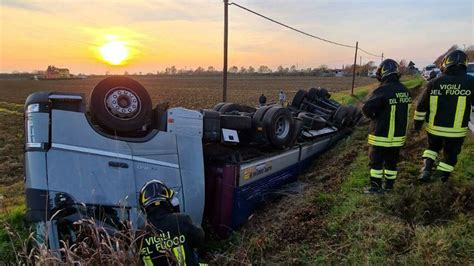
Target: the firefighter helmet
pixel 454 58
pixel 387 67
pixel 155 193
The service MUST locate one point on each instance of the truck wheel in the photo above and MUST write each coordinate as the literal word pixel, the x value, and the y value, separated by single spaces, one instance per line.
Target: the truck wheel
pixel 298 122
pixel 120 104
pixel 352 113
pixel 258 115
pixel 218 106
pixel 278 126
pixel 230 107
pixel 323 93
pixel 312 94
pixel 341 117
pixel 312 121
pixel 298 99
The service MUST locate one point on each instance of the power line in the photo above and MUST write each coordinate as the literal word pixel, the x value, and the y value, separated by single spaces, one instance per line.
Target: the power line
pixel 297 30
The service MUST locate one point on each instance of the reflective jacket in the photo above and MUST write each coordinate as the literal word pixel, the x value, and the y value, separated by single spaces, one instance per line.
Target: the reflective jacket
pixel 388 108
pixel 446 104
pixel 169 239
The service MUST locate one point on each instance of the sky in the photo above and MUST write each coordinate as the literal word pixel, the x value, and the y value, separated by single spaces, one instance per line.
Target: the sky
pixel 188 34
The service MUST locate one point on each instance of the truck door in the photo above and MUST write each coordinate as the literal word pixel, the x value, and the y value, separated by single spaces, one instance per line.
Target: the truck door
pixel 157 159
pixel 92 168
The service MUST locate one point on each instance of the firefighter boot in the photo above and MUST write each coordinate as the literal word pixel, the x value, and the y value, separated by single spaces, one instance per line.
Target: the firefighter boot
pixel 375 186
pixel 388 186
pixel 425 175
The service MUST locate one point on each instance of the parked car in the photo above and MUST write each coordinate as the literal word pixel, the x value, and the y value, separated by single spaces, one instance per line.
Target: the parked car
pixel 428 69
pixel 470 68
pixel 372 73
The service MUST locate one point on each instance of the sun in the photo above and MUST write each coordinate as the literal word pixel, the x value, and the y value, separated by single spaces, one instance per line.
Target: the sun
pixel 114 52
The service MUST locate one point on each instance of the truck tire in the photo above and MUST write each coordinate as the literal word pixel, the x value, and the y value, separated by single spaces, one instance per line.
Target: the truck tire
pixel 341 117
pixel 313 94
pixel 352 113
pixel 231 107
pixel 258 115
pixel 120 104
pixel 237 122
pixel 323 93
pixel 298 99
pixel 312 121
pixel 278 126
pixel 218 106
pixel 296 132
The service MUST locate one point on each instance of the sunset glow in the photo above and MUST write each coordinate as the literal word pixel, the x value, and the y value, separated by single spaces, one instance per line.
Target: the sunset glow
pixel 149 36
pixel 114 53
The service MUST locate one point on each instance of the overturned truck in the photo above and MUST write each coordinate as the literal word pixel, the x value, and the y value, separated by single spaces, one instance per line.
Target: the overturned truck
pixel 90 160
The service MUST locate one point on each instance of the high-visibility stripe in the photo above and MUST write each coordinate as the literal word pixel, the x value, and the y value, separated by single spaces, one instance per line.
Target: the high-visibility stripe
pixel 442 166
pixel 376 173
pixel 433 109
pixel 420 115
pixel 386 142
pixel 430 154
pixel 378 138
pixel 147 261
pixel 390 174
pixel 390 140
pixel 447 131
pixel 460 108
pixel 391 129
pixel 180 255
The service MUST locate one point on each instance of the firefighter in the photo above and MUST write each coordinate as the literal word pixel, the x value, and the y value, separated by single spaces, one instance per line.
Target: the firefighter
pixel 262 100
pixel 169 237
pixel 388 108
pixel 445 106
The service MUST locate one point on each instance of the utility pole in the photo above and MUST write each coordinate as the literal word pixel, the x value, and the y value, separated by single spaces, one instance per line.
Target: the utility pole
pixel 354 70
pixel 224 70
pixel 360 61
pixel 382 56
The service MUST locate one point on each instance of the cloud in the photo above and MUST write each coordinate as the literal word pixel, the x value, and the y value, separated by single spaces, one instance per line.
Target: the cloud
pixel 26 5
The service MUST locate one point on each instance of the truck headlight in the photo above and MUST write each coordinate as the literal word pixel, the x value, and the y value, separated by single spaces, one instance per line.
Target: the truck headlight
pixel 33 108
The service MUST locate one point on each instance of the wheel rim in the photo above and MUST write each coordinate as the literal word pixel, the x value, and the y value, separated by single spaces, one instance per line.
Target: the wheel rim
pixel 282 127
pixel 122 103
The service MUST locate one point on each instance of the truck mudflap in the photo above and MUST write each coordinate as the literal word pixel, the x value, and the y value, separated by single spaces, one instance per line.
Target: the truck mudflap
pixel 235 190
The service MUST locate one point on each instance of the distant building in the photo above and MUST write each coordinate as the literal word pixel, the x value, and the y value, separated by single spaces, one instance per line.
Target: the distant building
pixel 57 73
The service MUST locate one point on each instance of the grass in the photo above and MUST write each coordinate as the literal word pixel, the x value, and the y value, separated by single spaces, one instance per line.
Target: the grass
pixel 332 222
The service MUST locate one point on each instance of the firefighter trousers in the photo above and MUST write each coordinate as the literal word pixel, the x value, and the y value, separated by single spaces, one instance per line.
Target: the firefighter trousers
pixel 451 148
pixel 383 161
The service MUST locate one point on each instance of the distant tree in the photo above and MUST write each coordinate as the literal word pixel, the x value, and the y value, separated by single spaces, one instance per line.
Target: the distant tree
pixel 233 69
pixel 250 70
pixel 125 73
pixel 264 70
pixel 293 69
pixel 211 69
pixel 243 70
pixel 199 70
pixel 323 67
pixel 403 66
pixel 280 69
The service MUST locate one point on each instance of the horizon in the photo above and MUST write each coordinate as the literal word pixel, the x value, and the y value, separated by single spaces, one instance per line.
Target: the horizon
pixel 170 33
